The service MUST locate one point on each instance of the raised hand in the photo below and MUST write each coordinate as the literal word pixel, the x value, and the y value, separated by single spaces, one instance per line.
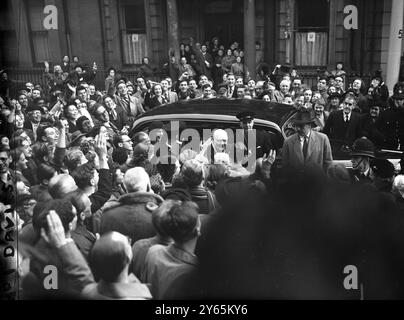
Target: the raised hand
pixel 267 162
pixel 56 232
pixel 100 145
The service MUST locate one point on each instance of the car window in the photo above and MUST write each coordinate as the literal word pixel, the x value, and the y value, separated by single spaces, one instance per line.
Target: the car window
pixel 204 127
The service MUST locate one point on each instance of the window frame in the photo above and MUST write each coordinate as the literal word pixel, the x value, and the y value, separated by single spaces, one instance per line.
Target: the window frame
pixel 298 29
pixel 122 29
pixel 31 34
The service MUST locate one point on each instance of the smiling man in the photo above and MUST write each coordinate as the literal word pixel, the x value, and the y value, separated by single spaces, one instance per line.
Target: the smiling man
pixel 344 126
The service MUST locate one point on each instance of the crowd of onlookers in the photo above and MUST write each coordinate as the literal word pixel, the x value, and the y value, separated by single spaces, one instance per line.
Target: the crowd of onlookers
pixel 92 200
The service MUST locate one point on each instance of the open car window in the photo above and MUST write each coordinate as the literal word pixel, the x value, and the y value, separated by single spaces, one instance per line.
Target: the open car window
pixel 203 127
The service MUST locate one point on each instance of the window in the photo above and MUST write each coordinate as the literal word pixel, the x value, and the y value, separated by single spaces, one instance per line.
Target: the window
pixel 8 36
pixel 311 36
pixel 312 15
pixel 39 36
pixel 133 31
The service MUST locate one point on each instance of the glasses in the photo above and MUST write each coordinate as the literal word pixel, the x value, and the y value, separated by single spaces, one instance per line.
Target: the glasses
pixel 3 159
pixel 348 104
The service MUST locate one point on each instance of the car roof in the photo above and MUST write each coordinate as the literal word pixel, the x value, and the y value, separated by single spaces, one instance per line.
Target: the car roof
pixel 271 111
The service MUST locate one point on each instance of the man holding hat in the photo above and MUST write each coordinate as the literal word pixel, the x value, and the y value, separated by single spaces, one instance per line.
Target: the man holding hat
pixel 306 149
pixel 362 152
pixel 263 143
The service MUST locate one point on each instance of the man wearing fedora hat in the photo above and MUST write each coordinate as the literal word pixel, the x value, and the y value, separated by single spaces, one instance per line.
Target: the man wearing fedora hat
pixel 306 149
pixel 362 152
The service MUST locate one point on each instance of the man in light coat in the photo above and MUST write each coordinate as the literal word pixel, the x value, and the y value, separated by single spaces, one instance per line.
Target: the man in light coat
pixel 306 149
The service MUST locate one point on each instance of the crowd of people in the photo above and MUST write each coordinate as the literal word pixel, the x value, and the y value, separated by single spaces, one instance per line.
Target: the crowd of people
pixel 92 200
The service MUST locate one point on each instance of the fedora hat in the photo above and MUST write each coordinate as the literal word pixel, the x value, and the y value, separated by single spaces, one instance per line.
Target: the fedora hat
pixel 303 117
pixel 75 137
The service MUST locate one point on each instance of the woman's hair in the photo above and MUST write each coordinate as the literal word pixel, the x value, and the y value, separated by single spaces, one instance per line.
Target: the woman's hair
pixel 15 156
pixel 154 87
pixel 214 173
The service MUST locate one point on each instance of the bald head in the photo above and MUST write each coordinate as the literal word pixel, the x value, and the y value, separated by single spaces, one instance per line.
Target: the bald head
pixel 59 186
pixel 137 179
pixel 110 256
pixel 220 139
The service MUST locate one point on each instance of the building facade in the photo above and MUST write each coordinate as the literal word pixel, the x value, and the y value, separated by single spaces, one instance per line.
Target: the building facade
pixel 308 34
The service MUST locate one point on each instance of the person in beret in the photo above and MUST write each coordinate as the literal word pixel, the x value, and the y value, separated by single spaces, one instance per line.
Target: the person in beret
pixel 306 149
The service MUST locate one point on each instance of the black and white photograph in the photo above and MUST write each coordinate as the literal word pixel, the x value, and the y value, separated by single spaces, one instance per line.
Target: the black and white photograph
pixel 190 151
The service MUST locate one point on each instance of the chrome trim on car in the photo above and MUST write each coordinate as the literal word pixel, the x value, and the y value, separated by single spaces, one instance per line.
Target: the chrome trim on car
pixel 206 117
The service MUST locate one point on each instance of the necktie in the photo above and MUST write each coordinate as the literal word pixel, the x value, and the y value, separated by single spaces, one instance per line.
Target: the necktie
pixel 346 118
pixel 114 115
pixel 305 146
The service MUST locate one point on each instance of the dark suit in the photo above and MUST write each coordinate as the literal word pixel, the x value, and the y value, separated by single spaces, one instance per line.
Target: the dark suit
pixel 318 156
pixel 29 126
pixel 373 130
pixel 263 143
pixel 344 133
pixel 204 68
pixel 234 94
pixel 154 102
pixel 120 119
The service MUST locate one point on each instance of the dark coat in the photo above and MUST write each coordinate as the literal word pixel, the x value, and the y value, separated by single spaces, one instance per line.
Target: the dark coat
pixel 83 239
pixel 131 215
pixel 373 130
pixel 121 118
pixel 343 133
pixel 263 143
pixel 393 128
pixel 104 191
pixel 154 102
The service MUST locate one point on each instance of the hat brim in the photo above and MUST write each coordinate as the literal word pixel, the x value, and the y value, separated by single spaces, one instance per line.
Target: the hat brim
pixel 299 122
pixel 362 154
pixel 397 97
pixel 77 138
pixel 246 119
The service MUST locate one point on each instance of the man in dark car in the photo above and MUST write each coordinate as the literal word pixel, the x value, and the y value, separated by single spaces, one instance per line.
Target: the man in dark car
pixel 263 143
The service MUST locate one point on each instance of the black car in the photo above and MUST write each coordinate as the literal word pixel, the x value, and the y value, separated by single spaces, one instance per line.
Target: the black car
pixel 271 117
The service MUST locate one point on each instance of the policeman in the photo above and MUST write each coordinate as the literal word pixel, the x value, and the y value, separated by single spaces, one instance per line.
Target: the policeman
pixel 392 120
pixel 361 154
pixel 263 143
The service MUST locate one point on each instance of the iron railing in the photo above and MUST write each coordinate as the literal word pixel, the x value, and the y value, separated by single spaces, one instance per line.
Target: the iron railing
pixel 36 76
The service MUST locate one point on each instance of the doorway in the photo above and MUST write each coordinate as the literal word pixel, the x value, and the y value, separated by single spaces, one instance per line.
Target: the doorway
pixel 225 20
